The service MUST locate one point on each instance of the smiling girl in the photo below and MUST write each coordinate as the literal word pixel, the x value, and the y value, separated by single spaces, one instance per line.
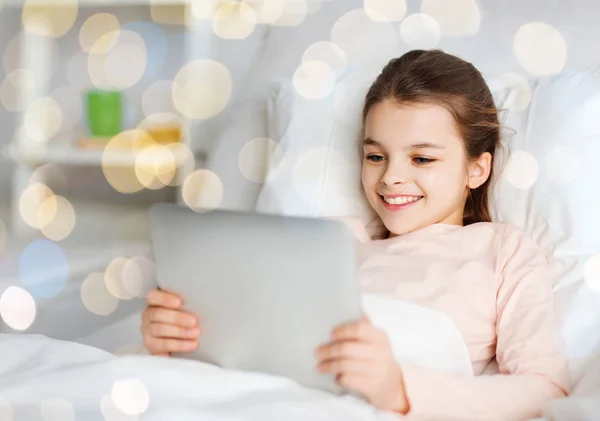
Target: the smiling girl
pixel 431 132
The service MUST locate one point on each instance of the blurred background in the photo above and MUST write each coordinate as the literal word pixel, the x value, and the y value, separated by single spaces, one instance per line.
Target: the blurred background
pixel 109 106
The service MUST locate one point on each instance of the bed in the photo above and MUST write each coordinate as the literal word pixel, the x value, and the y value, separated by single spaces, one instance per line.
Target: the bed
pixel 542 62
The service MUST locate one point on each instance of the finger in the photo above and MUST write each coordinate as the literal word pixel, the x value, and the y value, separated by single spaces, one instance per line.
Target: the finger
pixel 162 354
pixel 163 330
pixel 346 349
pixel 345 366
pixel 165 299
pixel 161 345
pixel 172 317
pixel 356 330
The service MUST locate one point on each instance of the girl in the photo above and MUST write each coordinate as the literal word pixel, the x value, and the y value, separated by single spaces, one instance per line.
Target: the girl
pixel 431 132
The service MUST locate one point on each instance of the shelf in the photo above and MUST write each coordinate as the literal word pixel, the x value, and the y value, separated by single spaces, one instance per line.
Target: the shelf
pixel 64 155
pixel 99 3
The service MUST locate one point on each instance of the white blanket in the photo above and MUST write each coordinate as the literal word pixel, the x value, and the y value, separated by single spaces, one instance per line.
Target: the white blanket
pixel 39 374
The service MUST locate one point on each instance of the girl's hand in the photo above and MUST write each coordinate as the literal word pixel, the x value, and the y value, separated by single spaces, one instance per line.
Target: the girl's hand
pixel 165 327
pixel 361 357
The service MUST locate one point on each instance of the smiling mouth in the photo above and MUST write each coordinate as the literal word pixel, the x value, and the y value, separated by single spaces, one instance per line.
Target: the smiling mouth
pixel 400 201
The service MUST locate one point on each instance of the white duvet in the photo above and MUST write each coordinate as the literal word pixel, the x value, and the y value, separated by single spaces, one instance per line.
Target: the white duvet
pixel 43 379
pixel 39 374
pixel 46 379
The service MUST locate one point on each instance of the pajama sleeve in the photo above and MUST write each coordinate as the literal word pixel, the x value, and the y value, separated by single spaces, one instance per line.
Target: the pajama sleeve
pixel 532 365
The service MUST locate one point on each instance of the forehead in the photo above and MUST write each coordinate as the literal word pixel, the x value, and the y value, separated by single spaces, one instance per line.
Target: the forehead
pixel 389 123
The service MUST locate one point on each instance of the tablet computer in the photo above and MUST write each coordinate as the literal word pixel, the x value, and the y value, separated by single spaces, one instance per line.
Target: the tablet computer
pixel 269 289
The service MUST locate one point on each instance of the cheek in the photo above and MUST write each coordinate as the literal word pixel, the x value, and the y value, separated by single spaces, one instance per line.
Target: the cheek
pixel 370 176
pixel 445 180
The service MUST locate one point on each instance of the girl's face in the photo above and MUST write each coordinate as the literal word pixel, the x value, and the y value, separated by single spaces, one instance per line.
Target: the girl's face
pixel 415 170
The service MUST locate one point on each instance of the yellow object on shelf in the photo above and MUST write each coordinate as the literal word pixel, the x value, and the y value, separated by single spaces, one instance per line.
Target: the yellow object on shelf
pixel 139 138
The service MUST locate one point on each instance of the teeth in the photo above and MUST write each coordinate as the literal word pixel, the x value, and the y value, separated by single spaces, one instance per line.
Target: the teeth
pixel 401 200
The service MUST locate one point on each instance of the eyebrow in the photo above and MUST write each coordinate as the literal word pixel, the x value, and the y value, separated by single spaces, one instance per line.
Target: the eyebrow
pixel 421 145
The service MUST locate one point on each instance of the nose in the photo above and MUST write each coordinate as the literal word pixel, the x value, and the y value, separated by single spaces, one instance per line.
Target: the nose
pixel 396 174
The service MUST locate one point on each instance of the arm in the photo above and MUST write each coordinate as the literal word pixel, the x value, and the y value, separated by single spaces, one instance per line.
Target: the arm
pixel 533 369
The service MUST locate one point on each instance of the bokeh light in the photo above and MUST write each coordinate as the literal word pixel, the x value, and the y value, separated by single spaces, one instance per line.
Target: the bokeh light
pixel 591 272
pixel 62 223
pixel 52 176
pixel 168 13
pixel 385 10
pixel 520 95
pixel 12 88
pixel 43 119
pixel 202 89
pixel 57 410
pixel 456 17
pixel 44 269
pixel 357 35
pixel 69 102
pixel 30 202
pixel 156 167
pixel 202 190
pixel 234 20
pixel 138 276
pixel 326 52
pixel 111 413
pixel 420 31
pixel 158 98
pixel 12 56
pixel 17 308
pixel 96 297
pixel 522 170
pixel 294 13
pixel 562 164
pixel 47 211
pixel 314 80
pixel 205 10
pixel 94 29
pixel 114 280
pixel 126 144
pixel 254 153
pixel 165 128
pixel 267 11
pixel 540 49
pixel 41 18
pixel 122 66
pixel 130 396
pixel 156 45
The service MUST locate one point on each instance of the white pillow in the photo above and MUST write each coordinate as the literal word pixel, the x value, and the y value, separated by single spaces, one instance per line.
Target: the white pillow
pixel 549 188
pixel 320 176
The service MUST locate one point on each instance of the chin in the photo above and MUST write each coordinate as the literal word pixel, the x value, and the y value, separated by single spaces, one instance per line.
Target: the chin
pixel 399 228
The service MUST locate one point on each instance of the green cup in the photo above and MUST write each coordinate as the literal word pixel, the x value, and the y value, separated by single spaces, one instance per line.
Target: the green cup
pixel 104 112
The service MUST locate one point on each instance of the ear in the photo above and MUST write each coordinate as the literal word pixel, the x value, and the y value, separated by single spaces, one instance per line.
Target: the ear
pixel 479 170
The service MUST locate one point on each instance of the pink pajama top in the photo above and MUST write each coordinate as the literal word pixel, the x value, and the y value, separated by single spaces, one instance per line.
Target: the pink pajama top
pixel 493 282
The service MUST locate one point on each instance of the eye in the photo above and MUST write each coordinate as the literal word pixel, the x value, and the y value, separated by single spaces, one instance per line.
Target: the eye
pixel 422 160
pixel 375 158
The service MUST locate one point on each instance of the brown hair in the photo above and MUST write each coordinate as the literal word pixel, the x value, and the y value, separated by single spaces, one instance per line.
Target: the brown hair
pixel 432 76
